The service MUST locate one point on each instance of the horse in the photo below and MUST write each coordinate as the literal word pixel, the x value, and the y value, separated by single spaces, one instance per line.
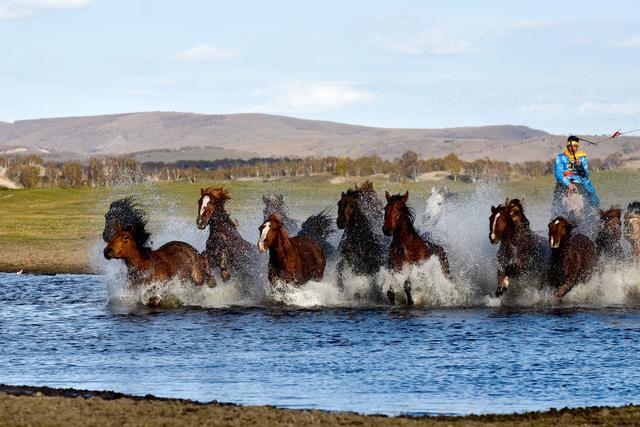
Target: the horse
pixel 609 234
pixel 226 249
pixel 574 204
pixel 407 247
pixel 632 228
pixel 360 248
pixel 291 259
pixel 573 256
pixel 145 265
pixel 274 203
pixel 521 251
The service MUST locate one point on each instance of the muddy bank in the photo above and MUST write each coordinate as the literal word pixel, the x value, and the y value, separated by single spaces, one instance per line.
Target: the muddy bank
pixel 44 406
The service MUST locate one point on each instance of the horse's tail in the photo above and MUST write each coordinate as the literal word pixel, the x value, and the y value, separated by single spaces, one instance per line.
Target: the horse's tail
pixel 319 227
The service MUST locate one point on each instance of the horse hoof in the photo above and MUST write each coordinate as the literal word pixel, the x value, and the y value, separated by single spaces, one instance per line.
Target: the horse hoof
pixel 392 296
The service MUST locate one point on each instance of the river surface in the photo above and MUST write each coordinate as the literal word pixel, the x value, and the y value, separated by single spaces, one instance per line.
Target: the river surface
pixel 66 331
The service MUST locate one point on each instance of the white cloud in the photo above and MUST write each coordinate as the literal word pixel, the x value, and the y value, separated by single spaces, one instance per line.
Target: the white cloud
pixel 626 108
pixel 204 53
pixel 429 42
pixel 299 96
pixel 630 42
pixel 18 9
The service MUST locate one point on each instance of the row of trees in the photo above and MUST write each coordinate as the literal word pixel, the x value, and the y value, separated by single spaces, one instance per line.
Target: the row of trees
pixel 32 171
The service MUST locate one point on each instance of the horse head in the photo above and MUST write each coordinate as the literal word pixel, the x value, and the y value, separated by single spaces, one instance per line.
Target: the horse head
pixel 632 222
pixel 435 205
pixel 348 208
pixel 611 224
pixel 559 231
pixel 124 244
pixel 269 231
pixel 395 212
pixel 211 201
pixel 509 215
pixel 274 203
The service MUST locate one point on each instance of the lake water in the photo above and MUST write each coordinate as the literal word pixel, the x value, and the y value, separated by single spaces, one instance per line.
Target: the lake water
pixel 472 356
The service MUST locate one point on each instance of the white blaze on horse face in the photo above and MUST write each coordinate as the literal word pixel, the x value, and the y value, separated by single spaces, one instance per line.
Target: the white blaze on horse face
pixel 205 202
pixel 263 236
pixel 493 226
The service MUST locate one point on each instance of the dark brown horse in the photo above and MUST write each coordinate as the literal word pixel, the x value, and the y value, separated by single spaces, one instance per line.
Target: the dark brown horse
pixel 407 247
pixel 144 265
pixel 291 259
pixel 360 249
pixel 632 228
pixel 573 257
pixel 226 249
pixel 609 234
pixel 521 251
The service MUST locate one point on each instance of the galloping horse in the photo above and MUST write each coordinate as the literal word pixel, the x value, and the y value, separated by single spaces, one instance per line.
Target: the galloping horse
pixel 407 247
pixel 145 265
pixel 291 259
pixel 226 249
pixel 573 256
pixel 609 234
pixel 632 228
pixel 360 248
pixel 521 250
pixel 274 203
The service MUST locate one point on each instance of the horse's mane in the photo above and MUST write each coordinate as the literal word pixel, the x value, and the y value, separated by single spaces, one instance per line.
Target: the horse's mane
pixel 130 217
pixel 218 193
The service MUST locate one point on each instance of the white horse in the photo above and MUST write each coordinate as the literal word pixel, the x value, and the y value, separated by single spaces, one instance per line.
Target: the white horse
pixel 437 204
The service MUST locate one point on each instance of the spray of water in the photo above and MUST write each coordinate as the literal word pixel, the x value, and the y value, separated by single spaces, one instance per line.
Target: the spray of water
pixel 462 231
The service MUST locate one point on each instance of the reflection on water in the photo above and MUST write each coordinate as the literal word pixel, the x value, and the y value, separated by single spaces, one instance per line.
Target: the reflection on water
pixel 62 331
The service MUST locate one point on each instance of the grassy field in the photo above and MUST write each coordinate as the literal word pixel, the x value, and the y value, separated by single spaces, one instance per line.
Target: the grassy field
pixel 42 406
pixel 51 230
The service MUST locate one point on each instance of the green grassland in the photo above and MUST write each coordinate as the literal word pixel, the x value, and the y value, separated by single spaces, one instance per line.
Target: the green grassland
pixel 51 230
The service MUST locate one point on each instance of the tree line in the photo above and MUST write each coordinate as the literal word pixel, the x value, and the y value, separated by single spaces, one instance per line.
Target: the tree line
pixel 31 171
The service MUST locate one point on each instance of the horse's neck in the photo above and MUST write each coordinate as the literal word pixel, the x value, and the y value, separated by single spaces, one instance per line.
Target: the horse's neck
pixel 221 224
pixel 136 261
pixel 281 250
pixel 404 233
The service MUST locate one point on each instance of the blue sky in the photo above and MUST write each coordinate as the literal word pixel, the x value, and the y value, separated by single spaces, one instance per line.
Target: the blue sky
pixel 571 66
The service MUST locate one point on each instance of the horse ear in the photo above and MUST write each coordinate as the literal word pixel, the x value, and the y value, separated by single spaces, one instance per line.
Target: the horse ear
pixel 405 197
pixel 493 209
pixel 342 195
pixel 387 196
pixel 202 191
pixel 506 201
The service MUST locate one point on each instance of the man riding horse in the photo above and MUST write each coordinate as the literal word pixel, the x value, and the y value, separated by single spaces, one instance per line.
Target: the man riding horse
pixel 572 172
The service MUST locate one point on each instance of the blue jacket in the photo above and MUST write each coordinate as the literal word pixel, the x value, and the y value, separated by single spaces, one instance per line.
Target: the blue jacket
pixel 566 172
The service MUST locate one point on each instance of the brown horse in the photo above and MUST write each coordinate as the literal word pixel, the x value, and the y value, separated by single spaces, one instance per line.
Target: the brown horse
pixel 226 249
pixel 521 250
pixel 609 234
pixel 291 259
pixel 632 228
pixel 144 265
pixel 407 247
pixel 573 256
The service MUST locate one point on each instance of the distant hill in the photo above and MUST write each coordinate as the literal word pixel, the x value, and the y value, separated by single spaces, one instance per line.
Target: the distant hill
pixel 170 136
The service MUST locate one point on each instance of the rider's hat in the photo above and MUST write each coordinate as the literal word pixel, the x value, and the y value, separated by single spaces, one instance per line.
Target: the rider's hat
pixel 573 138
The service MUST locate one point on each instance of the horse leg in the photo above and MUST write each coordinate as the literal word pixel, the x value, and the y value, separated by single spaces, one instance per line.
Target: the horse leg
pixel 209 279
pixel 407 290
pixel 503 283
pixel 224 269
pixel 391 295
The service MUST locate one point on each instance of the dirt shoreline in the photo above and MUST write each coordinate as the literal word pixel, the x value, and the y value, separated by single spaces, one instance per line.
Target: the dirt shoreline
pixel 45 406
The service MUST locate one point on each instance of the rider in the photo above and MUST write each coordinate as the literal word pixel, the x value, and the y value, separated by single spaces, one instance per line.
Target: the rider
pixel 571 168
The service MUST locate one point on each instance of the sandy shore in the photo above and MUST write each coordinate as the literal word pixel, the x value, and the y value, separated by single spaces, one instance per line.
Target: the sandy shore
pixel 43 406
